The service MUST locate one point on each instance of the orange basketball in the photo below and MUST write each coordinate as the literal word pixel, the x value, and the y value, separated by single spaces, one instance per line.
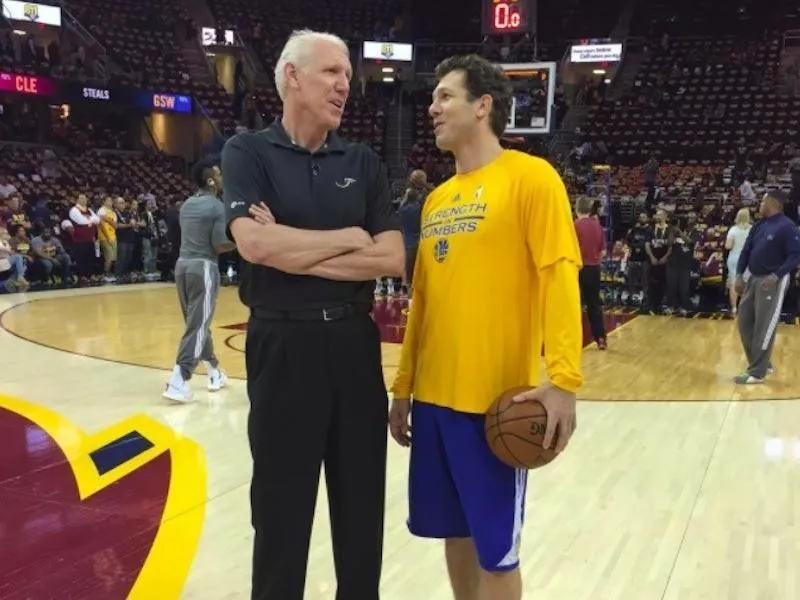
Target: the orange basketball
pixel 515 431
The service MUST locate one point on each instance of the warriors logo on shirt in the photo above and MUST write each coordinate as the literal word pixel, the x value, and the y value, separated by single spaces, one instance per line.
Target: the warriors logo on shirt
pixel 440 250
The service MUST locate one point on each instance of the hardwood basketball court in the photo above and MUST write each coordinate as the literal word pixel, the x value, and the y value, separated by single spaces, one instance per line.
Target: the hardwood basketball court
pixel 677 485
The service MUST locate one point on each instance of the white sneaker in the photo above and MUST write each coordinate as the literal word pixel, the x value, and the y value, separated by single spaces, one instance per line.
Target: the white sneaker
pixel 217 380
pixel 179 393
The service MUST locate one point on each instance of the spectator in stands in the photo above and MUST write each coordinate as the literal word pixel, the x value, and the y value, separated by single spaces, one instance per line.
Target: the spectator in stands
pixel 107 234
pixel 49 254
pixel 734 242
pixel 683 242
pixel 658 250
pixel 747 192
pixel 410 210
pixel 20 242
pixel 150 238
pixel 15 214
pixel 12 264
pixel 126 240
pixel 650 179
pixel 172 219
pixel 638 261
pixel 40 215
pixel 84 235
pixel 6 187
pixel 593 249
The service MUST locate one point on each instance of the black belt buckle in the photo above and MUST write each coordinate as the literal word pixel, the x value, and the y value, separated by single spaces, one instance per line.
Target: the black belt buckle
pixel 333 314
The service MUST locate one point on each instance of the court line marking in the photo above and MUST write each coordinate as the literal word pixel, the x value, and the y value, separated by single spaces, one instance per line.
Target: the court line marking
pixel 167 370
pixel 700 488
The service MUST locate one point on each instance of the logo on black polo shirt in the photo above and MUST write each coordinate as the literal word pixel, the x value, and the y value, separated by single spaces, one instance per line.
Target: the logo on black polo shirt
pixel 348 181
pixel 440 250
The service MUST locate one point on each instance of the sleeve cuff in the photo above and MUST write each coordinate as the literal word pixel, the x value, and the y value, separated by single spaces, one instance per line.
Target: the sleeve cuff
pixel 400 391
pixel 568 383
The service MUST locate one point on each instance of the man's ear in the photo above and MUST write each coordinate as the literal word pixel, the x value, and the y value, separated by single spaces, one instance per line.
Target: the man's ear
pixel 291 72
pixel 484 106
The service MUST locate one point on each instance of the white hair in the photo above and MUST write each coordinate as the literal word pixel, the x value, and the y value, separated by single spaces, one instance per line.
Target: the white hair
pixel 299 50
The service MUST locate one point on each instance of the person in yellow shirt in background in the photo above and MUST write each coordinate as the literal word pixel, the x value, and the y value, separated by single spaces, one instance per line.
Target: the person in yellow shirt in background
pixel 495 286
pixel 107 234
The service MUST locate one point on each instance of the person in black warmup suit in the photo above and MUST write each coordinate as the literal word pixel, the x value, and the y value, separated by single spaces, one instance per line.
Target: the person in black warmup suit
pixel 313 221
pixel 683 242
pixel 658 250
pixel 638 262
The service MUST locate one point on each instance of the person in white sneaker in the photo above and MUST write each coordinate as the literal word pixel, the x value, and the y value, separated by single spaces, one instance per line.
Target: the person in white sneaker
pixel 771 253
pixel 197 278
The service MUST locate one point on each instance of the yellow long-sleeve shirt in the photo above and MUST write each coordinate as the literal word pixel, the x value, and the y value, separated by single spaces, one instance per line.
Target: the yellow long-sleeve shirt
pixel 496 281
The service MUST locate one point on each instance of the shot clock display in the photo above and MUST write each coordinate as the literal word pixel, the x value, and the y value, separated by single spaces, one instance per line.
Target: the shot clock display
pixel 508 16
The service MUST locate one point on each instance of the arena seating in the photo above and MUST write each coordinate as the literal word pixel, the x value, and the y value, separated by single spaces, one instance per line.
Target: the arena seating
pixel 144 38
pixel 94 173
pixel 266 27
pixel 717 18
pixel 700 99
pixel 37 53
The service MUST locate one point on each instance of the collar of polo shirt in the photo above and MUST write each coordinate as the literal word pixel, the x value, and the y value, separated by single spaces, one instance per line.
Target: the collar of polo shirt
pixel 277 135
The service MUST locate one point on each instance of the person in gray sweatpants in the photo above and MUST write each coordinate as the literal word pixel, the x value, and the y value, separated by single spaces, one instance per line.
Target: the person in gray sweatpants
pixel 771 253
pixel 197 278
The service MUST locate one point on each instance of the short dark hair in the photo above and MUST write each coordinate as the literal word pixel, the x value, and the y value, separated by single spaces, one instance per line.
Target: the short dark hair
pixel 203 169
pixel 779 196
pixel 482 77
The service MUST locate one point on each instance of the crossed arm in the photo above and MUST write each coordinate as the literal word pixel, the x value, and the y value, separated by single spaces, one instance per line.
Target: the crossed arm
pixel 343 254
pixel 349 254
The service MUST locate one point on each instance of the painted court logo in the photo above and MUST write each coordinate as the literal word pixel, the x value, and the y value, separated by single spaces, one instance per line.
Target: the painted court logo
pixel 114 515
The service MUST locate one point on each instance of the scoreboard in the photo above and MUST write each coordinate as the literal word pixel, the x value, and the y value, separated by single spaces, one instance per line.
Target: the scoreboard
pixel 508 16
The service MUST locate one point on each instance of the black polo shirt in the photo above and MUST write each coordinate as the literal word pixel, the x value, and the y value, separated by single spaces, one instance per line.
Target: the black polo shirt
pixel 341 185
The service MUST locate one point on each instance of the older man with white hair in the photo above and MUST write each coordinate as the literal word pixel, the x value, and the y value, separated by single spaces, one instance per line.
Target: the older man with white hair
pixel 312 218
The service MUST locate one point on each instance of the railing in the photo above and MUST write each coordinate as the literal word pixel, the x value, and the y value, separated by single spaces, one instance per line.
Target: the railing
pixel 791 39
pixel 217 139
pixel 252 64
pixel 157 143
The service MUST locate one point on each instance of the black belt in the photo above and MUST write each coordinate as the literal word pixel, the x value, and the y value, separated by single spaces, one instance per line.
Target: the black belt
pixel 334 313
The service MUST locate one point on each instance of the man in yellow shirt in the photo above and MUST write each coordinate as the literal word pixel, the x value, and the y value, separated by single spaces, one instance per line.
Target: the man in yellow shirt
pixel 495 287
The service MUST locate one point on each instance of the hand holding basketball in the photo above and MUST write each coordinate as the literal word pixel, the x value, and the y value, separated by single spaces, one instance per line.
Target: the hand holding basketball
pixel 561 417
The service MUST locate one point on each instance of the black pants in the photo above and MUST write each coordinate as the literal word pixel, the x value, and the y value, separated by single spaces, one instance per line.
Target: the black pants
pixel 679 284
pixel 589 279
pixel 656 285
pixel 317 395
pixel 85 258
pixel 411 259
pixel 124 258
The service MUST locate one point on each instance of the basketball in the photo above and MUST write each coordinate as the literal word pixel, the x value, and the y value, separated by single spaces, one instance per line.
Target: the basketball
pixel 515 431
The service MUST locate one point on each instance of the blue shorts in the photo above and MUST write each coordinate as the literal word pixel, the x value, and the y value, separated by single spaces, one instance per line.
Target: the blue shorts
pixel 459 489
